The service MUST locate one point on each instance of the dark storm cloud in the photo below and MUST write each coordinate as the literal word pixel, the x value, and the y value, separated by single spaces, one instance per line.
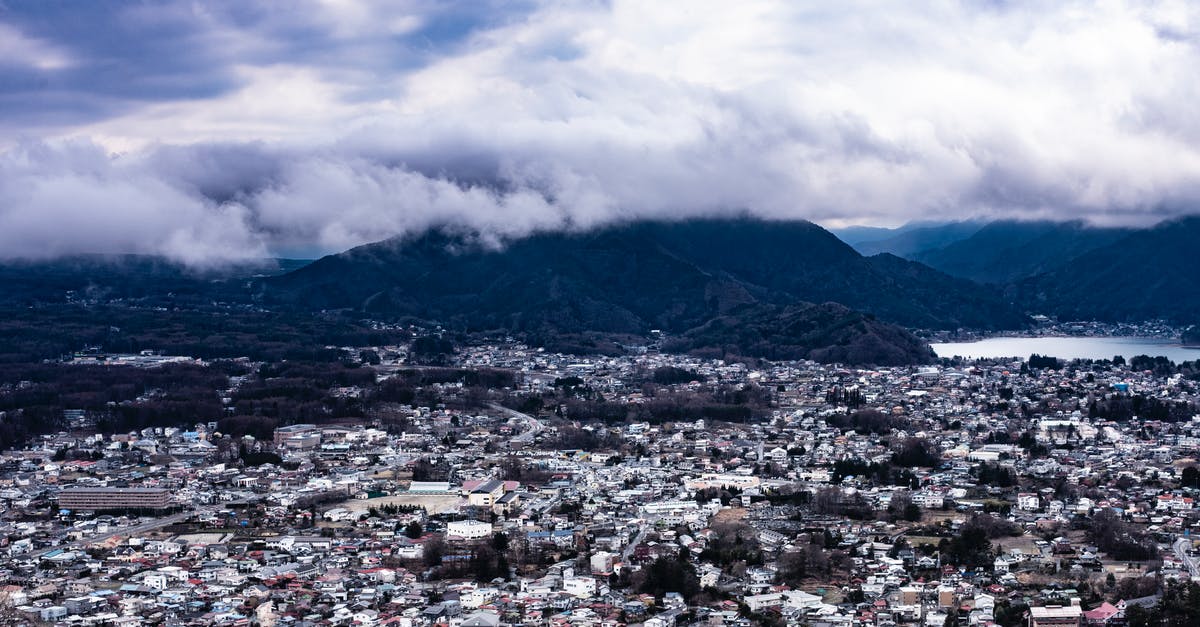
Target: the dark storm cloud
pixel 114 54
pixel 210 131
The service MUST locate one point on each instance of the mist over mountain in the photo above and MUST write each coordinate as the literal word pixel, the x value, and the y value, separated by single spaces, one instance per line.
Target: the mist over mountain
pixel 855 235
pixel 1147 274
pixel 1068 269
pixel 640 268
pixel 1005 251
pixel 106 277
pixel 693 278
pixel 719 286
pixel 909 242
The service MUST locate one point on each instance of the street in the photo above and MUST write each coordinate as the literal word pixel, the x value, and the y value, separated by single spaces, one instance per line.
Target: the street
pixel 533 425
pixel 1182 548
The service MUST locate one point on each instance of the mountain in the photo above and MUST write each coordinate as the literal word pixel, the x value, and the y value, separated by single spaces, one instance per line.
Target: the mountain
pixel 910 242
pixel 636 274
pixel 826 333
pixel 90 277
pixel 1005 251
pixel 807 262
pixel 855 235
pixel 1148 274
pixel 683 277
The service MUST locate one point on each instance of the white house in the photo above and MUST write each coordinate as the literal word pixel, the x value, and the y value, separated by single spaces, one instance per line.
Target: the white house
pixel 582 587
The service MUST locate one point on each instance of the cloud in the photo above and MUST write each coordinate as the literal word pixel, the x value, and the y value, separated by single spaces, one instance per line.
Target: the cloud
pixel 223 130
pixel 18 50
pixel 74 199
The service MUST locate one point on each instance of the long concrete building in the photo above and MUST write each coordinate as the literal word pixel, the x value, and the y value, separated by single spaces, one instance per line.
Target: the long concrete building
pixel 99 499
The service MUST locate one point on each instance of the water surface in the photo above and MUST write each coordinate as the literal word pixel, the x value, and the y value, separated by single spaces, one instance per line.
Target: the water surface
pixel 1068 348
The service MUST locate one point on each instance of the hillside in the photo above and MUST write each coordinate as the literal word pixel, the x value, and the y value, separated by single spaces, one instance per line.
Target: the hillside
pixel 625 277
pixel 826 333
pixel 133 277
pixel 1006 251
pixel 1149 274
pixel 910 242
pixel 629 279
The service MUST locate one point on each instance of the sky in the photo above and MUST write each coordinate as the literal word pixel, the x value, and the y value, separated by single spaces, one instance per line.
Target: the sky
pixel 218 131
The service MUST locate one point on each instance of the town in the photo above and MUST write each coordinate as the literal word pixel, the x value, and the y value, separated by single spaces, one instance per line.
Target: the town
pixel 510 486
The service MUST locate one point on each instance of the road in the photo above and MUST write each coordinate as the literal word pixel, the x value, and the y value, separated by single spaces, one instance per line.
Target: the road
pixel 533 426
pixel 1182 548
pixel 633 543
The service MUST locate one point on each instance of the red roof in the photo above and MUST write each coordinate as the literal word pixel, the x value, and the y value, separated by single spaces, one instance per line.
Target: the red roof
pixel 1104 612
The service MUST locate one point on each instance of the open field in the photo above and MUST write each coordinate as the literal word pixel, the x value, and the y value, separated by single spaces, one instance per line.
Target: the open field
pixel 1025 543
pixel 729 515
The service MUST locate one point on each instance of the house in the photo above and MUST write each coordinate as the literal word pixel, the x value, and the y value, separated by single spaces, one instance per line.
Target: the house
pixel 482 618
pixel 582 587
pixel 1103 615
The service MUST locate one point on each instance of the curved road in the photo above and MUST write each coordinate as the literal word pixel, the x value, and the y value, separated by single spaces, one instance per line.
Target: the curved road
pixel 1182 548
pixel 533 425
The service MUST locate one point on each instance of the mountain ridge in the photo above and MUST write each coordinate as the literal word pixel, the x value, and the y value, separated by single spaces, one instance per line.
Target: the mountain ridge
pixel 1004 251
pixel 778 262
pixel 777 282
pixel 1149 274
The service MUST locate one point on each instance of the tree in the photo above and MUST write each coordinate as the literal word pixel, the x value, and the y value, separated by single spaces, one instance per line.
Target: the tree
pixel 500 542
pixel 916 452
pixel 1008 614
pixel 1111 535
pixel 971 547
pixel 487 563
pixel 430 350
pixel 808 561
pixel 901 507
pixel 434 550
pixel 1138 616
pixel 414 530
pixel 669 574
pixel 1191 477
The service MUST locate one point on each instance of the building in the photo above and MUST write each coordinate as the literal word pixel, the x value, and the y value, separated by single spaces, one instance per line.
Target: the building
pixel 430 487
pixel 101 499
pixel 1105 614
pixel 714 480
pixel 760 602
pixel 602 562
pixel 283 434
pixel 468 530
pixel 1055 616
pixel 582 587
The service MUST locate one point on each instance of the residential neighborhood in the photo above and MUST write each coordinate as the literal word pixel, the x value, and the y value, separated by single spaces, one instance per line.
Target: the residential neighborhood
pixel 989 492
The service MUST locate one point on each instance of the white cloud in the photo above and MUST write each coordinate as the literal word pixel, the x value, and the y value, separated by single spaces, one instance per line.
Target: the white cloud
pixel 72 198
pixel 16 48
pixel 578 114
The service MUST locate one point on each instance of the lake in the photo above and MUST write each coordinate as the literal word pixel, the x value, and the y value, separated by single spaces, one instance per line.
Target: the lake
pixel 1067 348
